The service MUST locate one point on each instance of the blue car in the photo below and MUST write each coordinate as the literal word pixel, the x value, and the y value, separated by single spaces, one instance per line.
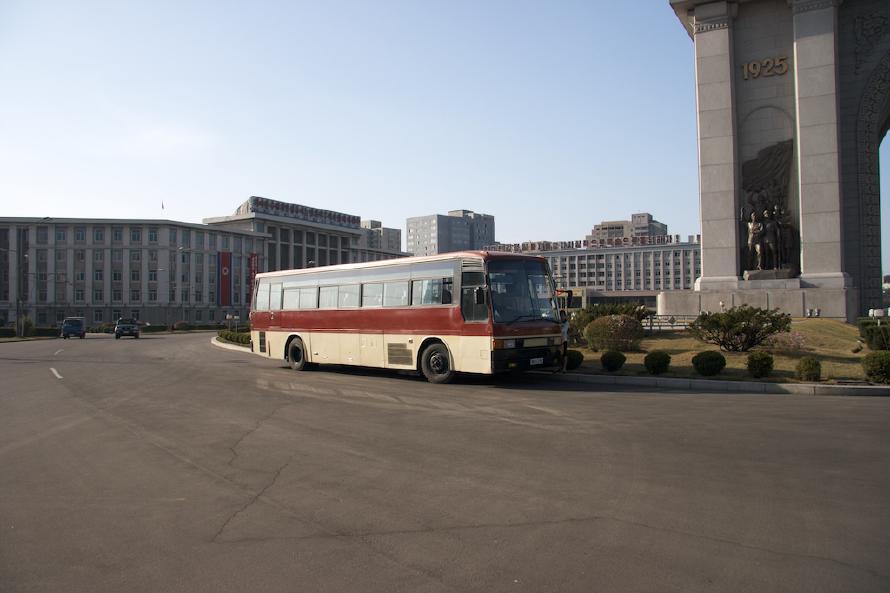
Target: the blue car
pixel 74 326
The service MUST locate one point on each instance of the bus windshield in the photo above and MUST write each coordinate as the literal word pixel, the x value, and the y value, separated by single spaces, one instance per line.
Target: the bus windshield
pixel 521 290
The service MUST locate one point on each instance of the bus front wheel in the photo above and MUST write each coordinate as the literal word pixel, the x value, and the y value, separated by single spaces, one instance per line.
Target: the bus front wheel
pixel 295 355
pixel 436 364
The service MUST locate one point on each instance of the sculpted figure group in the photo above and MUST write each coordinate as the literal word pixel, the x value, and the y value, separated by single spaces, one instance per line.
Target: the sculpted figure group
pixel 768 233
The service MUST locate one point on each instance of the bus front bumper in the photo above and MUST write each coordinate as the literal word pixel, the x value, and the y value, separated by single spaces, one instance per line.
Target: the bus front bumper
pixel 526 359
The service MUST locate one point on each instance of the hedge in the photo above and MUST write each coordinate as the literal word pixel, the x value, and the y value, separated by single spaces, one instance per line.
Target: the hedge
pixel 877 337
pixel 877 366
pixel 808 369
pixel 234 337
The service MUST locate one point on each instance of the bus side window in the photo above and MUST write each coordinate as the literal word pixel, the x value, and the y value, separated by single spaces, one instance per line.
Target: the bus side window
pixel 470 308
pixel 275 297
pixel 262 297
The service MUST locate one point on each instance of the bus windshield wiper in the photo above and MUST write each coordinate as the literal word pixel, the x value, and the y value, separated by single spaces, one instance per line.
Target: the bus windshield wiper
pixel 530 317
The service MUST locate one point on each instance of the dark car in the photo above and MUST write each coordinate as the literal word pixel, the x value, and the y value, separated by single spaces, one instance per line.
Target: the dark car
pixel 73 326
pixel 126 327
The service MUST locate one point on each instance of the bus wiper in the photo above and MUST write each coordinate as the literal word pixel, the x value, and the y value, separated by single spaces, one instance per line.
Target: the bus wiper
pixel 529 317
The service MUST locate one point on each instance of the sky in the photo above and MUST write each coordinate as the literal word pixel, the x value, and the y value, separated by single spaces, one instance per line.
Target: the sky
pixel 551 116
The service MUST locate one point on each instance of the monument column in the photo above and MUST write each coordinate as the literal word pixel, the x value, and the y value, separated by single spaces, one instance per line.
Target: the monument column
pixel 718 170
pixel 817 142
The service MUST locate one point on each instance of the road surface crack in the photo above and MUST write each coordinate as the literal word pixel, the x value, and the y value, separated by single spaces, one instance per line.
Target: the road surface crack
pixel 259 494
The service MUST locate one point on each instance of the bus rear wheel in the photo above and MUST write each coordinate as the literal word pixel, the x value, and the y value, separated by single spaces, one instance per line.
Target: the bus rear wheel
pixel 295 355
pixel 436 364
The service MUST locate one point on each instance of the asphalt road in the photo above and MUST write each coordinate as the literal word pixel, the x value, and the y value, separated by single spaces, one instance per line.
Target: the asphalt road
pixel 168 465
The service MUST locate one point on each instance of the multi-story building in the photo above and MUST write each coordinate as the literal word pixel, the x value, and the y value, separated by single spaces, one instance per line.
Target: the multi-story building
pixel 459 230
pixel 304 237
pixel 620 272
pixel 158 271
pixel 378 242
pixel 639 225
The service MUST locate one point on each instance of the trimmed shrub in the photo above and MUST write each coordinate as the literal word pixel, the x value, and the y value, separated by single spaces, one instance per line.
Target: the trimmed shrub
pixel 181 326
pixel 574 358
pixel 877 366
pixel 708 363
pixel 27 326
pixel 864 323
pixel 612 360
pixel 740 328
pixel 153 329
pixel 579 320
pixel 44 332
pixel 760 364
pixel 877 337
pixel 7 332
pixel 614 332
pixel 808 369
pixel 242 338
pixel 657 362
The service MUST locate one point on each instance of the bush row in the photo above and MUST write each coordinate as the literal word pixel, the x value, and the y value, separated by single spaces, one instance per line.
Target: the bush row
pixel 236 337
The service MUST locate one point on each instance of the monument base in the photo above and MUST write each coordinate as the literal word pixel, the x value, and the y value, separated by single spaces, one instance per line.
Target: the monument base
pixel 768 274
pixel 787 295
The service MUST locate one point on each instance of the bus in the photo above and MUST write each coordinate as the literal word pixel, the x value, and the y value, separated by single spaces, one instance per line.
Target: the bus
pixel 462 312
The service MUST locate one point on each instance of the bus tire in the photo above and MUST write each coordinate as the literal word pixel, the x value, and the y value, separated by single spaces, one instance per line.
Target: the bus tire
pixel 296 355
pixel 436 364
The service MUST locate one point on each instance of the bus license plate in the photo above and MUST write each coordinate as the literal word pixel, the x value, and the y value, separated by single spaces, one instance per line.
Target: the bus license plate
pixel 535 361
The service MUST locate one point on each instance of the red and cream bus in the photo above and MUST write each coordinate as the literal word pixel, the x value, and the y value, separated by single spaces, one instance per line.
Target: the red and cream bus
pixel 467 312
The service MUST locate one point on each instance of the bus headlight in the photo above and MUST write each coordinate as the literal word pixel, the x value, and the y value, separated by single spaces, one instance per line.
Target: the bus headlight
pixel 503 344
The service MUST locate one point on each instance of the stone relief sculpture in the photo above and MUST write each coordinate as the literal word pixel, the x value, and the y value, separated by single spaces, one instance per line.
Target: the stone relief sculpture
pixel 771 244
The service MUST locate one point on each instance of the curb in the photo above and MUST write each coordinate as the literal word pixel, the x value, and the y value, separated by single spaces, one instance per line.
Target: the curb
pixel 727 386
pixel 215 341
pixel 704 385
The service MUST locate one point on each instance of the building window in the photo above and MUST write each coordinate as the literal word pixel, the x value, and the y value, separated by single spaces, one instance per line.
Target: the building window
pixel 78 295
pixel 60 255
pixel 80 234
pixel 98 255
pixel 97 316
pixel 136 236
pixel 98 295
pixel 152 295
pixel 135 255
pixel 116 276
pixel 152 255
pixel 134 313
pixel 199 316
pixel 134 276
pixel 199 239
pixel 117 295
pixel 98 235
pixel 172 236
pixel 42 235
pixel 115 314
pixel 60 234
pixel 212 240
pixel 152 275
pixel 117 234
pixel 152 235
pixel 198 295
pixel 135 295
pixel 117 255
pixel 98 275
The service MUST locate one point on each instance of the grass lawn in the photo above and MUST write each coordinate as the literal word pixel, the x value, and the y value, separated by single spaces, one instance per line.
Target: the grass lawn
pixel 829 341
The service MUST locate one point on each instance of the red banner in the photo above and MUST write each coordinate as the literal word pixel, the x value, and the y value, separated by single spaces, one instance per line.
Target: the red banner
pixel 252 261
pixel 224 278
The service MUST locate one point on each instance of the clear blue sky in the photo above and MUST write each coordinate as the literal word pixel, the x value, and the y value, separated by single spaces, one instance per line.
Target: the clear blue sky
pixel 550 116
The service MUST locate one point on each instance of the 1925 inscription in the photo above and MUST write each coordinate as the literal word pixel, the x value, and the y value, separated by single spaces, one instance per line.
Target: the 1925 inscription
pixel 766 67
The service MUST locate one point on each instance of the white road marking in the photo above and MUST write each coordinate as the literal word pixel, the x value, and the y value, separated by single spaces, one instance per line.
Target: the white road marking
pixel 57 351
pixel 56 373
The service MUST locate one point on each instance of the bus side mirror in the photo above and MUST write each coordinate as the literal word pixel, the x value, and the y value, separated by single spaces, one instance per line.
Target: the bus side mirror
pixel 479 295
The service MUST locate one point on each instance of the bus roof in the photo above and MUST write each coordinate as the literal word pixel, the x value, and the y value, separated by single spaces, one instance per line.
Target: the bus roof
pixel 484 255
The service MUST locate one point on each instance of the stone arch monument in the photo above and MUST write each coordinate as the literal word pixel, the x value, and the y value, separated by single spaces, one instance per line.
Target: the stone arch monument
pixel 793 100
